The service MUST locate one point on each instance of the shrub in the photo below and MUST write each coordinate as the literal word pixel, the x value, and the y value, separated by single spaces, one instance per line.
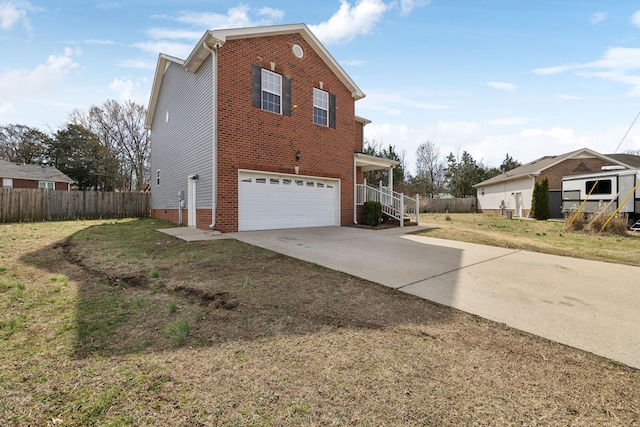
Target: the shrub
pixel 540 200
pixel 617 226
pixel 372 213
pixel 577 224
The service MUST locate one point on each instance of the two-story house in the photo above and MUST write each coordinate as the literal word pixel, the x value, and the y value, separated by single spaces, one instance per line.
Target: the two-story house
pixel 256 129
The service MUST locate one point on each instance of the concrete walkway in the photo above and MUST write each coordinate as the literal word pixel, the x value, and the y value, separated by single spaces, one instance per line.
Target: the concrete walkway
pixel 590 305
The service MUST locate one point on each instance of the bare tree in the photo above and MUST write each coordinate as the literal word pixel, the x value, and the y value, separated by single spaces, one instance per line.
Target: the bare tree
pixel 429 168
pixel 120 128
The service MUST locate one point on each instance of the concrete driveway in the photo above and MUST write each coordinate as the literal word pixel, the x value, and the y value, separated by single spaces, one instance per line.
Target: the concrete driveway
pixel 590 305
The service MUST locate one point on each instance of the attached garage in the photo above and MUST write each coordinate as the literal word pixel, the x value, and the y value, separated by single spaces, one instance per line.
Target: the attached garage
pixel 268 201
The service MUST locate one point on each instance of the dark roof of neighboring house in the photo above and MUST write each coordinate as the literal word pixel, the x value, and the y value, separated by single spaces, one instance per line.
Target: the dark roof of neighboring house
pixel 32 172
pixel 630 159
pixel 537 166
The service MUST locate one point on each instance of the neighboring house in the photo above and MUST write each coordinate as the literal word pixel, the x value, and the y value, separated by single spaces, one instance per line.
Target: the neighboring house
pixel 256 129
pixel 512 191
pixel 14 175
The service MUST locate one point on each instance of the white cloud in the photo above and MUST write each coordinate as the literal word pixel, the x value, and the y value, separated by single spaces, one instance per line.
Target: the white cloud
pixel 555 133
pixel 507 87
pixel 597 17
pixel 99 42
pixel 635 19
pixel 272 14
pixel 42 79
pixel 407 6
pixel 6 109
pixel 394 103
pixel 617 64
pixel 619 58
pixel 555 70
pixel 127 89
pixel 350 21
pixel 12 12
pixel 236 17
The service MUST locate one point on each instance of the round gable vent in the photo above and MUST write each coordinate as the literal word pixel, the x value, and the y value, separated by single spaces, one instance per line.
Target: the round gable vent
pixel 297 51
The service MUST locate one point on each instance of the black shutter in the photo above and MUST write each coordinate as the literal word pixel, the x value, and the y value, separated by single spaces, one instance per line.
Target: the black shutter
pixel 286 96
pixel 332 110
pixel 256 90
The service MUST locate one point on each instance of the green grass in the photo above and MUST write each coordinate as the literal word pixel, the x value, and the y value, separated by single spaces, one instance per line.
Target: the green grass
pixel 539 236
pixel 178 331
pixel 263 339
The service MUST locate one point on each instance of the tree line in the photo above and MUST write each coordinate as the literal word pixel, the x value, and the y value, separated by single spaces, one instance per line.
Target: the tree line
pixel 105 148
pixel 435 174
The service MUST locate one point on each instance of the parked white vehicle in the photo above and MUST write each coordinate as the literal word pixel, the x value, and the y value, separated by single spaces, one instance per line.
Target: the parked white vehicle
pixel 614 187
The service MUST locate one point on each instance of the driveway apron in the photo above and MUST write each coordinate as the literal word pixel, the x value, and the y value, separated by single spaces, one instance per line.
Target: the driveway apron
pixel 594 306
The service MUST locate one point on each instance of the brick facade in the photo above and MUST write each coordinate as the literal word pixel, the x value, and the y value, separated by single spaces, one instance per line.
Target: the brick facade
pixel 34 184
pixel 251 138
pixel 569 167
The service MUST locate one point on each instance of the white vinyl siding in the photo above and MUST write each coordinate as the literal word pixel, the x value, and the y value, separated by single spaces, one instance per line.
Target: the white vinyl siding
pixel 189 97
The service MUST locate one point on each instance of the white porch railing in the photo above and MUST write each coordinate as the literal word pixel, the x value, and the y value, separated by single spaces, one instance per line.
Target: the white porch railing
pixel 394 204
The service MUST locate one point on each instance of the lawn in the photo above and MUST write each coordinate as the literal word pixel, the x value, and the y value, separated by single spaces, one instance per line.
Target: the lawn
pixel 538 236
pixel 113 323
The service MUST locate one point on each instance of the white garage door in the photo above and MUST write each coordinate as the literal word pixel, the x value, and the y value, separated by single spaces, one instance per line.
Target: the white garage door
pixel 270 201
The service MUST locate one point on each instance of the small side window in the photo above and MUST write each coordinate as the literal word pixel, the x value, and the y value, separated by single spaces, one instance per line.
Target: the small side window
pixel 158 177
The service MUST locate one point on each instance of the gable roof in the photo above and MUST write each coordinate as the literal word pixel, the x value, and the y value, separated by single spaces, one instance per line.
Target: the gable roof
pixel 630 159
pixel 32 172
pixel 217 38
pixel 537 166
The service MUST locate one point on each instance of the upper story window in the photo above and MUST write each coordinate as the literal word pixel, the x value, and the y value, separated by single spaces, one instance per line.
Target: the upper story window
pixel 320 107
pixel 271 91
pixel 45 184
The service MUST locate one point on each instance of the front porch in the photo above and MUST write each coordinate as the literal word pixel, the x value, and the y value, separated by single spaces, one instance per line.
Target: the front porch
pixel 394 205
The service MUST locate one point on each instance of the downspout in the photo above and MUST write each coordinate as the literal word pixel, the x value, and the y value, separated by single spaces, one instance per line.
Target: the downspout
pixel 214 89
pixel 355 192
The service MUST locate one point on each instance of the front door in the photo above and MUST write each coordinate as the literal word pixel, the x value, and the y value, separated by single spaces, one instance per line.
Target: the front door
pixel 519 205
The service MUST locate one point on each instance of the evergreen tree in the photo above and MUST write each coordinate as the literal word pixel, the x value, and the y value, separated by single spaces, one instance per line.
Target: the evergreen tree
pixel 540 200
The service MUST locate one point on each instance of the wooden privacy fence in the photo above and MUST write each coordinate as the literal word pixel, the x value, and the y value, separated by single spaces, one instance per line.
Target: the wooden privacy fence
pixel 18 205
pixel 463 205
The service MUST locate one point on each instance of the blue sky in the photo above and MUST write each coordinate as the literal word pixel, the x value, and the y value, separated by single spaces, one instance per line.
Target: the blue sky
pixel 526 77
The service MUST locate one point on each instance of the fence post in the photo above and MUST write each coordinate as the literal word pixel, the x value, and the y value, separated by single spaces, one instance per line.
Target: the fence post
pixel 417 209
pixel 401 209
